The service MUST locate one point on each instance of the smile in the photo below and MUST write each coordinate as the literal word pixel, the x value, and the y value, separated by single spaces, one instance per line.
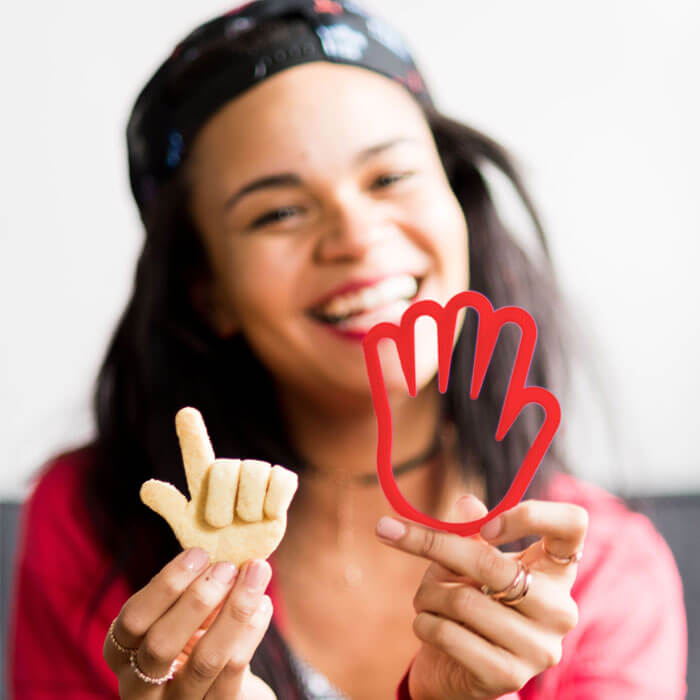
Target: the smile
pixel 345 310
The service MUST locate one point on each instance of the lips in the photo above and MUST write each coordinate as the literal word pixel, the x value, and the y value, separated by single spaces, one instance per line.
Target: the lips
pixel 366 298
pixel 517 394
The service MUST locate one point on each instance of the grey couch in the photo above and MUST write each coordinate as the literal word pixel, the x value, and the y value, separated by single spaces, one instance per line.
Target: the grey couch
pixel 677 517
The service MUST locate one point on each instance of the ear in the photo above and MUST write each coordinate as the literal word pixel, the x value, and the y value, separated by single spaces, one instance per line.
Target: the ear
pixel 207 302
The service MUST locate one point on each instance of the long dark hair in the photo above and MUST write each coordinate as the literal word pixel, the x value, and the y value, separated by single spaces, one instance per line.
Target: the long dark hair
pixel 164 356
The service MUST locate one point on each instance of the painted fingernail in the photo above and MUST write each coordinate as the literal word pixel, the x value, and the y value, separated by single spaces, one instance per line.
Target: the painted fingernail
pixel 256 574
pixel 223 572
pixel 390 529
pixel 196 559
pixel 492 528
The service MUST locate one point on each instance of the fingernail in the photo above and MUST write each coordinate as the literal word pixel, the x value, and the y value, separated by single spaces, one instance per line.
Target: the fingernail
pixel 464 501
pixel 390 529
pixel 196 559
pixel 256 574
pixel 223 572
pixel 264 607
pixel 492 528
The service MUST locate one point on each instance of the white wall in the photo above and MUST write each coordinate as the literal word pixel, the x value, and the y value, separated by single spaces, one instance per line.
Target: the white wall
pixel 598 101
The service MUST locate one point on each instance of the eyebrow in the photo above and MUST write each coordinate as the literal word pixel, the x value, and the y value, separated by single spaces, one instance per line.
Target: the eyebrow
pixel 293 179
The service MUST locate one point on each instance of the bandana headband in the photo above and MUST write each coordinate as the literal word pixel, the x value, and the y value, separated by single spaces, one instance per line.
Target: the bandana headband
pixel 207 69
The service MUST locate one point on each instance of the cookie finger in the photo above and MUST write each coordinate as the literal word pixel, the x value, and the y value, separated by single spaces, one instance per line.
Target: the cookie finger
pixel 221 495
pixel 281 490
pixel 252 486
pixel 197 452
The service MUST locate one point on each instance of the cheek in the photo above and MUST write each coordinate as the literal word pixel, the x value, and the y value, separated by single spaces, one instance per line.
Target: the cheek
pixel 448 237
pixel 445 229
pixel 457 243
pixel 260 283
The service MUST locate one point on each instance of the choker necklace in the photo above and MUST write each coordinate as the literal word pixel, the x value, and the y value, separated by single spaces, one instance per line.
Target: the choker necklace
pixel 371 478
pixel 351 573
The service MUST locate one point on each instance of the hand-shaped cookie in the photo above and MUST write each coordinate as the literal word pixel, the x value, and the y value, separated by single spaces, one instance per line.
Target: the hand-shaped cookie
pixel 238 509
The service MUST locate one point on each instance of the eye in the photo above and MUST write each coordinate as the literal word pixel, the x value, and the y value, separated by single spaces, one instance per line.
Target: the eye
pixel 390 179
pixel 276 215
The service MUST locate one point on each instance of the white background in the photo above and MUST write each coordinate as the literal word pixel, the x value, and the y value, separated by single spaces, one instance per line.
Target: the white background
pixel 597 101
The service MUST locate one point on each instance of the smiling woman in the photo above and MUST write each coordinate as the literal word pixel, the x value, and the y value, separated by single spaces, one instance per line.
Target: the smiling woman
pixel 298 186
pixel 343 232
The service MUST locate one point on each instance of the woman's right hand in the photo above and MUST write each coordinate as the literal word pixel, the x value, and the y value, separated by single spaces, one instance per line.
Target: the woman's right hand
pixel 166 622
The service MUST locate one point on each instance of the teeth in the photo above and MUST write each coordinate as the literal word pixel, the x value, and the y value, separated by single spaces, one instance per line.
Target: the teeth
pixel 391 312
pixel 382 293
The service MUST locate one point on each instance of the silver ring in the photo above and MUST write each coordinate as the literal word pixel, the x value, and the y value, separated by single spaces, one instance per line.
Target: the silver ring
pixel 123 649
pixel 573 559
pixel 150 679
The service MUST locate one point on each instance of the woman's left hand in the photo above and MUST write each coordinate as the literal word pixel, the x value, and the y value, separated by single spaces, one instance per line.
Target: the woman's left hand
pixel 475 646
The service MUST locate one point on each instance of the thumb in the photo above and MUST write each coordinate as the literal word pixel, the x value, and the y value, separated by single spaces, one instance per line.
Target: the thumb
pixel 467 508
pixel 165 500
pixel 464 509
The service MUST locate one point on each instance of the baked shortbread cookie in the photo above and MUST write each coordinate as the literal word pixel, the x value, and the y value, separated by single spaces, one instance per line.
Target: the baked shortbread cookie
pixel 238 508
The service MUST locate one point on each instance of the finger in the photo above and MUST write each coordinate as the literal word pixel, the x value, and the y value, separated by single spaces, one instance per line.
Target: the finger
pixel 165 500
pixel 491 667
pixel 562 525
pixel 536 638
pixel 229 643
pixel 191 642
pixel 464 509
pixel 547 601
pixel 221 494
pixel 467 507
pixel 465 556
pixel 236 676
pixel 116 658
pixel 197 452
pixel 147 605
pixel 282 487
pixel 252 486
pixel 166 645
pixel 167 637
pixel 254 688
pixel 212 616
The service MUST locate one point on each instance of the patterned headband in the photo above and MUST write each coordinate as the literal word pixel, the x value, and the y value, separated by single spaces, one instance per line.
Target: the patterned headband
pixel 209 67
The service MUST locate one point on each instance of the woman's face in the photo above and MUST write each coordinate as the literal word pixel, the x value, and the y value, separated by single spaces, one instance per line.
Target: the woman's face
pixel 324 209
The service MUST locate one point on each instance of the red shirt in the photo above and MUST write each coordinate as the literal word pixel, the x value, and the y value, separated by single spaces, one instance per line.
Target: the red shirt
pixel 630 642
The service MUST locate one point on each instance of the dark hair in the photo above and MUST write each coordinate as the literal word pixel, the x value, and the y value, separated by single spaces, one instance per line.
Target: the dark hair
pixel 164 356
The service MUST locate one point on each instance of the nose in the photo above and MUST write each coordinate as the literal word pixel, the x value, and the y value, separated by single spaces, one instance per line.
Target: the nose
pixel 355 226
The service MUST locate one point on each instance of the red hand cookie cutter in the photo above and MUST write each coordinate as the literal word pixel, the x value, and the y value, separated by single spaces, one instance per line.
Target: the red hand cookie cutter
pixel 517 396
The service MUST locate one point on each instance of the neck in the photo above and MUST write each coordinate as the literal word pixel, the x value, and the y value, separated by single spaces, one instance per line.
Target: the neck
pixel 344 444
pixel 333 515
pixel 342 449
